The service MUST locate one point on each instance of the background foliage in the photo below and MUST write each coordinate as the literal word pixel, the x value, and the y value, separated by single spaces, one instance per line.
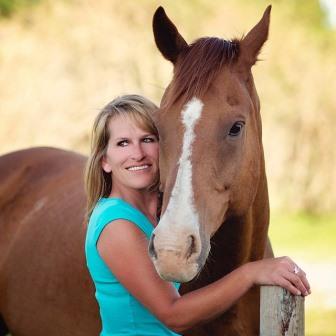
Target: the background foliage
pixel 9 7
pixel 61 61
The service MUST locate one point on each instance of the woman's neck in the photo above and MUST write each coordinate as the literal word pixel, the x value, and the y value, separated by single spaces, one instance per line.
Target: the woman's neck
pixel 143 200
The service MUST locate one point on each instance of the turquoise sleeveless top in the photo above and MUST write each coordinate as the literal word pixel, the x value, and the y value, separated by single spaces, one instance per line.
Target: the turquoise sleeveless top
pixel 120 312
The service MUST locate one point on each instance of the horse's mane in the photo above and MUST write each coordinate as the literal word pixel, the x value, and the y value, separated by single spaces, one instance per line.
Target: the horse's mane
pixel 198 66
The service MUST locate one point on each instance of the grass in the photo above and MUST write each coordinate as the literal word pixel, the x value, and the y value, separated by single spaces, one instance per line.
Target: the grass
pixel 313 237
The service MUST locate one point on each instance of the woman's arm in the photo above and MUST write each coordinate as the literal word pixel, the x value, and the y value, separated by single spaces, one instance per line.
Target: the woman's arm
pixel 210 301
pixel 124 249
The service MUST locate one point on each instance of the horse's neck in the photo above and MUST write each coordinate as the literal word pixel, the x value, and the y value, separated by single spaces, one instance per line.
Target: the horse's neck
pixel 260 214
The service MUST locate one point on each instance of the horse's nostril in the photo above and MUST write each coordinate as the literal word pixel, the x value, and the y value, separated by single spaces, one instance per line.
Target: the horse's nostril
pixel 151 248
pixel 192 246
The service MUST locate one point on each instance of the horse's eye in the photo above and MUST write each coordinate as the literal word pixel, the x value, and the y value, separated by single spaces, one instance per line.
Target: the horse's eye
pixel 236 128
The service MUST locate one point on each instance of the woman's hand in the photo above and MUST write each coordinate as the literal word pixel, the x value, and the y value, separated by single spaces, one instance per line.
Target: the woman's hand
pixel 282 272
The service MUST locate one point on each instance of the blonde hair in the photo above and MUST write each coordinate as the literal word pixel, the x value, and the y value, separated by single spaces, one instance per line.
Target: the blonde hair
pixel 98 183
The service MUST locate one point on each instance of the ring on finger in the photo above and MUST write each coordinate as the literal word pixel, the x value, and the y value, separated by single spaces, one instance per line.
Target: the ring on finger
pixel 296 269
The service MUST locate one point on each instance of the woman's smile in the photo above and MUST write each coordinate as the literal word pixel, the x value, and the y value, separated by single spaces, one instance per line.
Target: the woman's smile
pixel 139 168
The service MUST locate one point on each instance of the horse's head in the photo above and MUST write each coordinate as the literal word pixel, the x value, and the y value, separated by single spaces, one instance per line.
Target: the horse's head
pixel 210 143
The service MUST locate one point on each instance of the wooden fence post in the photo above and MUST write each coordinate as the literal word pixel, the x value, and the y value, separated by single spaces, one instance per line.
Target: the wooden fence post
pixel 281 313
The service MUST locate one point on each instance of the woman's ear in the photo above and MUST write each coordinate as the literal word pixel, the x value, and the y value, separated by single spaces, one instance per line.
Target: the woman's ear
pixel 105 165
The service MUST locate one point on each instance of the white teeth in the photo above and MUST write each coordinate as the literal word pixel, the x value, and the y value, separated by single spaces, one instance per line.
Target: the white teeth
pixel 138 167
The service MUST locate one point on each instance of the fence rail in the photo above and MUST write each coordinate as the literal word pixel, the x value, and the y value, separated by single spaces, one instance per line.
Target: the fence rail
pixel 281 313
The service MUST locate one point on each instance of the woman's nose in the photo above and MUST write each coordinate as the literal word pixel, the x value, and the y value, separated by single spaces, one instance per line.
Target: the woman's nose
pixel 138 153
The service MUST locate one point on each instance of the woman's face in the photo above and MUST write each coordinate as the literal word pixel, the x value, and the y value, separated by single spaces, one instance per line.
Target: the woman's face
pixel 132 155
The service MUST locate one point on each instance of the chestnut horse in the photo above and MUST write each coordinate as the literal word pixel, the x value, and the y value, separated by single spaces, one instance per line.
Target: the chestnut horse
pixel 212 170
pixel 45 288
pixel 213 175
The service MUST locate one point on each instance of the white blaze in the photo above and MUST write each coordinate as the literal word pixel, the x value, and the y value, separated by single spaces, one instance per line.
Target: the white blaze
pixel 181 209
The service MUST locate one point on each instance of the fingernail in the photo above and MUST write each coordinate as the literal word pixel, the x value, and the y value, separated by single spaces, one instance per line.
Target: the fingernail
pixel 298 293
pixel 309 291
pixel 305 293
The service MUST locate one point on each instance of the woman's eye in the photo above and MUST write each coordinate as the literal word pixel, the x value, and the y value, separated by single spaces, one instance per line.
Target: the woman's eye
pixel 148 139
pixel 236 128
pixel 122 143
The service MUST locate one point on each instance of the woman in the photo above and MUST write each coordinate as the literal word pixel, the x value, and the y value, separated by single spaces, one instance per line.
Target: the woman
pixel 121 182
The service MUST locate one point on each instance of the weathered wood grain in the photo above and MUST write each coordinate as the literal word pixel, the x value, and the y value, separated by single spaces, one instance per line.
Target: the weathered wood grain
pixel 281 313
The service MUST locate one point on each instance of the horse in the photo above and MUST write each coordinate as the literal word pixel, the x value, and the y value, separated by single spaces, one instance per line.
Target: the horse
pixel 212 170
pixel 45 287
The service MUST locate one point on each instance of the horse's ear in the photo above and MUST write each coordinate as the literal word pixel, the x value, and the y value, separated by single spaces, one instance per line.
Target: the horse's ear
pixel 167 37
pixel 252 43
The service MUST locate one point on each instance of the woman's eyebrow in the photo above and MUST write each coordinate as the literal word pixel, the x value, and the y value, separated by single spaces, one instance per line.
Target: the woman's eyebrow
pixel 127 138
pixel 120 138
pixel 148 134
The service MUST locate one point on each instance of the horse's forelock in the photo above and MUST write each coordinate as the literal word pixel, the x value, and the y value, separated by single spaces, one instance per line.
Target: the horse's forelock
pixel 198 65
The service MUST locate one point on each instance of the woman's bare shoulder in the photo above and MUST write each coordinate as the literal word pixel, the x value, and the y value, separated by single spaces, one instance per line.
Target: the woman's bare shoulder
pixel 121 231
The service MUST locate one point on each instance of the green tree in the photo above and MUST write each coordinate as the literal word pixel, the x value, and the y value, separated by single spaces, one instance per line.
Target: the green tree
pixel 8 7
